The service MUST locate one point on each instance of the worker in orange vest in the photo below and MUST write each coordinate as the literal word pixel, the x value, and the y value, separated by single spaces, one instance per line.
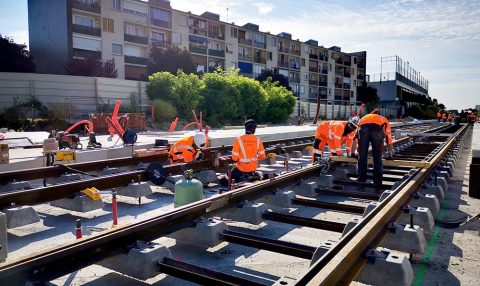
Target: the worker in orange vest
pixel 373 128
pixel 334 133
pixel 247 150
pixel 444 117
pixel 187 148
pixel 450 117
pixel 439 116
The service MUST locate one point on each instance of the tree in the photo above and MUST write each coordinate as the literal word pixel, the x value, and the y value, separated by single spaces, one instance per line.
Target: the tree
pixel 91 66
pixel 275 77
pixel 251 95
pixel 279 102
pixel 170 59
pixel 368 95
pixel 14 57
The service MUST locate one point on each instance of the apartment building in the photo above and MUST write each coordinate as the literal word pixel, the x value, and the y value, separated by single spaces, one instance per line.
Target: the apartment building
pixel 126 29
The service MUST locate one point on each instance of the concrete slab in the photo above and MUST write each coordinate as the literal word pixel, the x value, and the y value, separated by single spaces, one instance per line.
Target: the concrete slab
pixel 20 216
pixel 135 190
pixel 205 233
pixel 3 237
pixel 79 203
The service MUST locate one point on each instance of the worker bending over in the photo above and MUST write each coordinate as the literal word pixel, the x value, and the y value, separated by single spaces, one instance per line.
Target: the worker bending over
pixel 374 129
pixel 186 149
pixel 334 133
pixel 247 150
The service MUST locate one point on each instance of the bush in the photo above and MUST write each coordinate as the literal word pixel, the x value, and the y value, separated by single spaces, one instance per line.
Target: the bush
pixel 221 99
pixel 421 112
pixel 279 103
pixel 185 93
pixel 164 110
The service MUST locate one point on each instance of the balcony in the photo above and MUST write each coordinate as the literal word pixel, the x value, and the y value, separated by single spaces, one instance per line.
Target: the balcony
pixel 160 44
pixel 136 60
pixel 339 61
pixel 260 60
pixel 294 79
pixel 322 83
pixel 283 49
pixel 80 53
pixel 198 49
pixel 259 45
pixel 313 56
pixel 295 52
pixel 160 23
pixel 323 71
pixel 323 58
pixel 134 16
pixel 346 74
pixel 360 76
pixel 216 53
pixel 313 69
pixel 313 82
pixel 346 86
pixel 90 7
pixel 282 64
pixel 87 30
pixel 295 65
pixel 135 39
pixel 339 85
pixel 214 35
pixel 245 42
pixel 245 58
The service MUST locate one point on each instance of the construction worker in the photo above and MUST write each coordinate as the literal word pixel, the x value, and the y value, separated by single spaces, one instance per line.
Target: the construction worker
pixel 334 133
pixel 373 128
pixel 187 148
pixel 450 117
pixel 444 117
pixel 247 150
pixel 439 116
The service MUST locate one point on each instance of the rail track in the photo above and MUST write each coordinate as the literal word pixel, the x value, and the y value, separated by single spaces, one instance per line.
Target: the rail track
pixel 337 264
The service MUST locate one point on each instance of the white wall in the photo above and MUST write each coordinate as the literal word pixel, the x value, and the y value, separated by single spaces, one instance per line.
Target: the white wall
pixel 78 93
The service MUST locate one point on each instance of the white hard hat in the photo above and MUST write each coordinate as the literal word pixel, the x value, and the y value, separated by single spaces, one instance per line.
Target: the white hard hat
pixel 354 120
pixel 200 139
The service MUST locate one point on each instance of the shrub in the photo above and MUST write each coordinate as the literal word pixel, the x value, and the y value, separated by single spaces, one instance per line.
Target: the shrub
pixel 279 103
pixel 164 110
pixel 160 86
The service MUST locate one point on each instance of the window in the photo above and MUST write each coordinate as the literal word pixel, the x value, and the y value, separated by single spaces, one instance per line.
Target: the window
pixel 229 48
pixel 177 38
pixel 157 37
pixel 302 89
pixel 259 38
pixel 329 91
pixel 233 64
pixel 269 56
pixel 354 60
pixel 330 67
pixel 274 42
pixel 305 77
pixel 202 24
pixel 354 82
pixel 183 20
pixel 303 62
pixel 294 47
pixel 131 30
pixel 116 5
pixel 352 93
pixel 84 21
pixel 162 15
pixel 108 25
pixel 233 32
pixel 117 49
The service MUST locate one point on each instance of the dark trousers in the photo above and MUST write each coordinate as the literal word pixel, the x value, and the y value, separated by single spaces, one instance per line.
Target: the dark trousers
pixel 370 133
pixel 240 176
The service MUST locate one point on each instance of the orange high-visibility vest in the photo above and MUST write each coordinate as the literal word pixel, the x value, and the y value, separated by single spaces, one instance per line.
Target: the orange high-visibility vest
pixel 379 120
pixel 330 132
pixel 183 150
pixel 247 150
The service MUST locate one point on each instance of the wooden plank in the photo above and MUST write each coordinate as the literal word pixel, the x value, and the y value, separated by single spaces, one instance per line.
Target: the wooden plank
pixel 392 163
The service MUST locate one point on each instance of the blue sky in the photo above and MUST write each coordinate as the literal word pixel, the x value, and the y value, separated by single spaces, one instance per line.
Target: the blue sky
pixel 440 39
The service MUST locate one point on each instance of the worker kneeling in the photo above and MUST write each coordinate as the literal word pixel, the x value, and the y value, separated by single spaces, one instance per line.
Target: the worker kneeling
pixel 247 150
pixel 187 148
pixel 373 129
pixel 334 133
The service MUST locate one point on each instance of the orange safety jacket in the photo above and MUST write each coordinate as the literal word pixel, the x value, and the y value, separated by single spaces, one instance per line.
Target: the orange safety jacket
pixel 330 132
pixel 439 115
pixel 247 150
pixel 379 120
pixel 183 150
pixel 444 116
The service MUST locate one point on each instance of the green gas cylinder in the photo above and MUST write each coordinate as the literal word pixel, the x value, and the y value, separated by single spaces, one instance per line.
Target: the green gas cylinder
pixel 187 190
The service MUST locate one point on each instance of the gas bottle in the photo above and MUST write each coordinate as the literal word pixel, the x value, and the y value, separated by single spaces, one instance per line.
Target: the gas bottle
pixel 187 190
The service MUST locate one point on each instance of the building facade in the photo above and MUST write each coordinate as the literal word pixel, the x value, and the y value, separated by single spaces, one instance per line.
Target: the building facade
pixel 126 29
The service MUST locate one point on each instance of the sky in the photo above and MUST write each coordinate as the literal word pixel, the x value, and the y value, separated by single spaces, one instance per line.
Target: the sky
pixel 440 39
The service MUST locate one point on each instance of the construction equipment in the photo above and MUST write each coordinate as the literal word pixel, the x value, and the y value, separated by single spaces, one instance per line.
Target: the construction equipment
pixel 118 127
pixel 72 141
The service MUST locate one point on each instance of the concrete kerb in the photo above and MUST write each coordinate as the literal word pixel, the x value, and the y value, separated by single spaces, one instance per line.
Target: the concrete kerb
pixel 433 190
pixel 386 268
pixel 135 190
pixel 249 212
pixel 205 233
pixel 3 237
pixel 139 262
pixel 405 238
pixel 20 216
pixel 306 189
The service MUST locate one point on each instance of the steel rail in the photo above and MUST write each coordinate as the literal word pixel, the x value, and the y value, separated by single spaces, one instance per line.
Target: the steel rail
pixel 341 263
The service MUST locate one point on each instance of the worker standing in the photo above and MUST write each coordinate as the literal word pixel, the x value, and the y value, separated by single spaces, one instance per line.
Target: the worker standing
pixel 450 117
pixel 444 117
pixel 334 133
pixel 247 150
pixel 373 130
pixel 187 148
pixel 439 116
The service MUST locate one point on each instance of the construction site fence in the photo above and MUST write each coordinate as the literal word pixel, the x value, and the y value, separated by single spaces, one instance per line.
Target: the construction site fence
pixel 75 96
pixel 332 109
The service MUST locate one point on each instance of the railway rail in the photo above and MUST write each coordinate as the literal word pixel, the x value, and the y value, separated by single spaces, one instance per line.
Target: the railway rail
pixel 336 265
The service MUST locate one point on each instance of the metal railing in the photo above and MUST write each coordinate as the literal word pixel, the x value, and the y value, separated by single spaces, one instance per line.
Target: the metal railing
pixel 313 82
pixel 90 7
pixel 135 39
pixel 283 49
pixel 260 60
pixel 136 60
pixel 245 42
pixel 216 53
pixel 160 23
pixel 198 49
pixel 259 45
pixel 282 64
pixel 245 58
pixel 81 53
pixel 87 30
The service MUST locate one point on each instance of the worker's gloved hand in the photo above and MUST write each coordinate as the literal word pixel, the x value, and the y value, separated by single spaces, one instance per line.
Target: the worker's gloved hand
pixel 390 152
